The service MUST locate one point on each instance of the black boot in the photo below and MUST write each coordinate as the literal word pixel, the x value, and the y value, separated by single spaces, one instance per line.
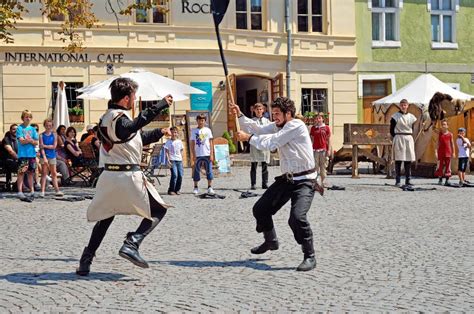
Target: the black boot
pixel 309 261
pixel 271 243
pixel 129 249
pixel 85 262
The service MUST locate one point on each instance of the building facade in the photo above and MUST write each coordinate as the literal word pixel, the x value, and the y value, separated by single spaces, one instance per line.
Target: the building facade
pixel 399 40
pixel 181 44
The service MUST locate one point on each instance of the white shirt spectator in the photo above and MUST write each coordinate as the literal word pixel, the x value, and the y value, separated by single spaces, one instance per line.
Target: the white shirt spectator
pixel 463 147
pixel 202 144
pixel 174 148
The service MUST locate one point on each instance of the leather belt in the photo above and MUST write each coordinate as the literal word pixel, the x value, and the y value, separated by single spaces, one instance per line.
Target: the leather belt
pixel 403 133
pixel 303 173
pixel 114 167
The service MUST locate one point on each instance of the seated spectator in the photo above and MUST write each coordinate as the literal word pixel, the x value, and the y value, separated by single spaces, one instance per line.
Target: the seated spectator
pixel 93 140
pixel 8 154
pixel 73 152
pixel 61 157
pixel 90 131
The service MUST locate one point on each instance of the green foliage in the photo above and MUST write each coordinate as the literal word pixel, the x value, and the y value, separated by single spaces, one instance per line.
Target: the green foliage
pixel 74 14
pixel 76 111
pixel 309 114
pixel 232 147
pixel 10 13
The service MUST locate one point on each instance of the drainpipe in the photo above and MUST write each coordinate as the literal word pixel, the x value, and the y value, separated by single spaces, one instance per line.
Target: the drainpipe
pixel 288 45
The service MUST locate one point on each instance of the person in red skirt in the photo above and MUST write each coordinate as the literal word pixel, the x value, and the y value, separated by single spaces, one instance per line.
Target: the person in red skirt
pixel 445 151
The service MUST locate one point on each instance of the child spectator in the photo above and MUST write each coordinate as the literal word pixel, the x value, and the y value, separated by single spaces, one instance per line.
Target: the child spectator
pixel 47 143
pixel 8 155
pixel 27 140
pixel 445 151
pixel 256 155
pixel 464 145
pixel 202 145
pixel 321 136
pixel 174 153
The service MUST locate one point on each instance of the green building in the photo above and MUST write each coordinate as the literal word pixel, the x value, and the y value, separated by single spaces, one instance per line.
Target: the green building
pixel 398 40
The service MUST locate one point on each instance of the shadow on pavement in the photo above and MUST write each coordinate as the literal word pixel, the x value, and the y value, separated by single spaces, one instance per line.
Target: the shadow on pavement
pixel 44 279
pixel 43 259
pixel 249 263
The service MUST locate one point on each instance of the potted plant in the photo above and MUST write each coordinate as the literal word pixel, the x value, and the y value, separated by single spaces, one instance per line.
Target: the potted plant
pixel 76 114
pixel 164 115
pixel 309 117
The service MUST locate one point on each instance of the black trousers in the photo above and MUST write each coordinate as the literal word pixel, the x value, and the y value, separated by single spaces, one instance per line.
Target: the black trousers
pixel 301 194
pixel 145 227
pixel 398 170
pixel 11 166
pixel 253 173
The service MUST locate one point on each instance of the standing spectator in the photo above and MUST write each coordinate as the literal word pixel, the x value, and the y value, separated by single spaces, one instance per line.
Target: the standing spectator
pixel 202 145
pixel 321 138
pixel 27 140
pixel 266 114
pixel 48 142
pixel 61 158
pixel 73 152
pixel 174 153
pixel 401 129
pixel 38 168
pixel 257 155
pixel 8 154
pixel 463 144
pixel 444 153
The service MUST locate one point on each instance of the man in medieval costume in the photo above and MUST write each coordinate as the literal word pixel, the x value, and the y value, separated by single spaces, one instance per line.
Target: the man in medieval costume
pixel 297 183
pixel 123 189
pixel 401 129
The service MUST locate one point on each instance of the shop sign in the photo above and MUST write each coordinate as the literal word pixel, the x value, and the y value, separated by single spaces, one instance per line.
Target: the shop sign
pixel 202 101
pixel 47 57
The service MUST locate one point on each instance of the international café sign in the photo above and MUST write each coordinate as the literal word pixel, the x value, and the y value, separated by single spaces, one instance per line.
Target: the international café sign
pixel 64 57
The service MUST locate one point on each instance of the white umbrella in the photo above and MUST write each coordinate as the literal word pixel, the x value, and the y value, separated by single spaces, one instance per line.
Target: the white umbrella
pixel 419 92
pixel 61 112
pixel 151 86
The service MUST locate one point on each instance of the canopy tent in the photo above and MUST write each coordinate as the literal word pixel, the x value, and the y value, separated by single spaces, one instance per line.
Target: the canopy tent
pixel 419 92
pixel 151 86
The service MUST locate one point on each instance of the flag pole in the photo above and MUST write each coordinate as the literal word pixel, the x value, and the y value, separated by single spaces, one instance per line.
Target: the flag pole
pixel 218 10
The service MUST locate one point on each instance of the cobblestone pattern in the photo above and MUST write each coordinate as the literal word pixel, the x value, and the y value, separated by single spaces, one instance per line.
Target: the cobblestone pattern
pixel 378 249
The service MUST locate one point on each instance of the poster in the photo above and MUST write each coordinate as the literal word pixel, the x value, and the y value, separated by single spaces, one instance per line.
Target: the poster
pixel 222 157
pixel 202 101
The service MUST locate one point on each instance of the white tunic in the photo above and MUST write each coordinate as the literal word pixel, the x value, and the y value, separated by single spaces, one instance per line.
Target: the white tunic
pixel 257 155
pixel 292 141
pixel 121 192
pixel 403 143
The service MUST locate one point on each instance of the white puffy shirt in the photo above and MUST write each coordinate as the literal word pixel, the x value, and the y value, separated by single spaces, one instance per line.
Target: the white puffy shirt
pixel 292 141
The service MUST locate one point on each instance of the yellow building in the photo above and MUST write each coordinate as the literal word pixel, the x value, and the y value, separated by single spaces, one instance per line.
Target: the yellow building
pixel 181 44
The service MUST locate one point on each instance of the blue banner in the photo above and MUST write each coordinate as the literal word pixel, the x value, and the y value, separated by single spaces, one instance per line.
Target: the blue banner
pixel 202 101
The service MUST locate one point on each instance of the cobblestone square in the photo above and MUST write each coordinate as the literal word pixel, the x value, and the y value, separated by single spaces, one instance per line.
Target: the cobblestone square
pixel 378 249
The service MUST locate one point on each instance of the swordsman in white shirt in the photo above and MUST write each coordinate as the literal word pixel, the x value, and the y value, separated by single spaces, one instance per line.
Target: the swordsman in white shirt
pixel 297 183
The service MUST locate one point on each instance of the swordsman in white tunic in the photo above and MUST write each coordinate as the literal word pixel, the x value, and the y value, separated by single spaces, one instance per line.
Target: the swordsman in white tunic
pixel 122 188
pixel 401 129
pixel 297 183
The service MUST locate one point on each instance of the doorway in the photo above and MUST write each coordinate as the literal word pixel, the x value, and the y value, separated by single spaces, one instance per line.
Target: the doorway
pixel 373 90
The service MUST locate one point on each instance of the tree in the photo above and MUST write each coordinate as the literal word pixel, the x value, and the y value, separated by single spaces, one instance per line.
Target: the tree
pixel 75 14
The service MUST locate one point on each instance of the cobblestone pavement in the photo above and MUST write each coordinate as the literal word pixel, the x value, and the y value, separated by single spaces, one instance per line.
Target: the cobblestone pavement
pixel 378 249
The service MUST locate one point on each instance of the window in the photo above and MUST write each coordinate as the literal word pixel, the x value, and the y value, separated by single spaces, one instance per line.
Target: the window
pixel 71 94
pixel 314 100
pixel 310 16
pixel 443 23
pixel 385 23
pixel 248 12
pixel 155 15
